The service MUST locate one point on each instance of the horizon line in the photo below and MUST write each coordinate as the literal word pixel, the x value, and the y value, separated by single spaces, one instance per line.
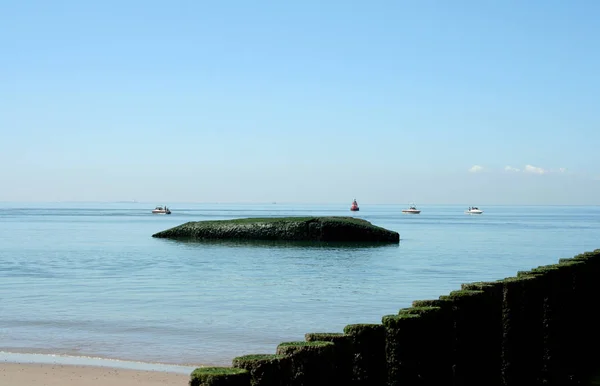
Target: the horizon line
pixel 269 203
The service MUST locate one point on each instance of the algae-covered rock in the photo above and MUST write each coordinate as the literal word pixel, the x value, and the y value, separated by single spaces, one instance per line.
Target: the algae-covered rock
pixel 333 229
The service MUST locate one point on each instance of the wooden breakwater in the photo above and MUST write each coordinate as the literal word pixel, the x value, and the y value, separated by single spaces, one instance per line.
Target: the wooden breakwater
pixel 536 328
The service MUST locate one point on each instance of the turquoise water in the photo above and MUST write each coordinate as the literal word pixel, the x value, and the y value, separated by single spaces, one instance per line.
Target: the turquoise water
pixel 89 280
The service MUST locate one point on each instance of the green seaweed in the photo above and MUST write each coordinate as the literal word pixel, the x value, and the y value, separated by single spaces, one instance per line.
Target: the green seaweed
pixel 264 369
pixel 287 348
pixel 309 363
pixel 219 376
pixel 421 311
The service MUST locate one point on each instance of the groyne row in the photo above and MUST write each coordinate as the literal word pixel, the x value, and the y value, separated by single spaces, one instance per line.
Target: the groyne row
pixel 536 328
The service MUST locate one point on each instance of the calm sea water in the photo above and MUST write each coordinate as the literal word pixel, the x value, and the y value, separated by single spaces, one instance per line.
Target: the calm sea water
pixel 89 280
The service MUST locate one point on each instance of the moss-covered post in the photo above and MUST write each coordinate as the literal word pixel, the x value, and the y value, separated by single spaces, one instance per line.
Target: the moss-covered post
pixel 439 369
pixel 588 286
pixel 491 312
pixel 264 369
pixel 576 321
pixel 556 287
pixel 219 376
pixel 565 340
pixel 469 337
pixel 592 261
pixel 342 353
pixel 401 349
pixel 309 363
pixel 522 339
pixel 367 342
pixel 411 346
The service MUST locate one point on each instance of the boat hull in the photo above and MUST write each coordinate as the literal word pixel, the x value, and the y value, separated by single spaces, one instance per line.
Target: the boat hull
pixel 474 212
pixel 354 209
pixel 160 212
pixel 411 211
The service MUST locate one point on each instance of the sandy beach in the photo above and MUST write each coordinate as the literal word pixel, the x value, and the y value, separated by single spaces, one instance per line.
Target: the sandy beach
pixel 16 374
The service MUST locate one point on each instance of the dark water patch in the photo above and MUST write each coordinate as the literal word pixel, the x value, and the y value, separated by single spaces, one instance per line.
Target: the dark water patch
pixel 276 244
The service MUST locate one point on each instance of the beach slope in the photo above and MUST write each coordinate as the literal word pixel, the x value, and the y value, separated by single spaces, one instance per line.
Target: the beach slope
pixel 17 374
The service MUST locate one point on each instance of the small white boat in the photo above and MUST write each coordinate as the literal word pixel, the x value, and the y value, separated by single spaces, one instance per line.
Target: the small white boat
pixel 412 209
pixel 161 210
pixel 474 210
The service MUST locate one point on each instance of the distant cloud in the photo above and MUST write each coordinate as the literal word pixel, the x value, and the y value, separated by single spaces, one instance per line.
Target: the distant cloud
pixel 526 169
pixel 534 169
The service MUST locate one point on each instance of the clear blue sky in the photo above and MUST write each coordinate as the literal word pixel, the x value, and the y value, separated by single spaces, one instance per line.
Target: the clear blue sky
pixel 306 101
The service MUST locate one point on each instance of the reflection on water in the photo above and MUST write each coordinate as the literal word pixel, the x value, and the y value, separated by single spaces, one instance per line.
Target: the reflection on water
pixel 275 244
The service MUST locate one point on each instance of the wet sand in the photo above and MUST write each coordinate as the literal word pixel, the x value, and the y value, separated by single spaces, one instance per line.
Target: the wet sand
pixel 17 374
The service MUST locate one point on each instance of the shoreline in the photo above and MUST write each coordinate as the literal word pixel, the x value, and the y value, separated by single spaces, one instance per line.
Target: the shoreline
pixel 47 359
